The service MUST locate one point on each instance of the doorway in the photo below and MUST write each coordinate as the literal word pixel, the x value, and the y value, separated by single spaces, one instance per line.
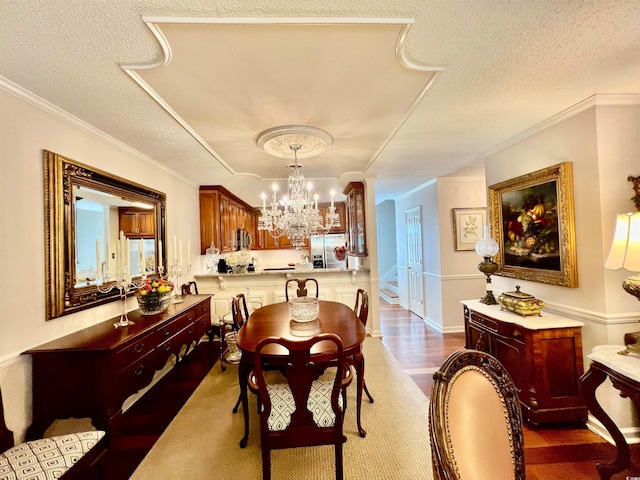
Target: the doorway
pixel 414 260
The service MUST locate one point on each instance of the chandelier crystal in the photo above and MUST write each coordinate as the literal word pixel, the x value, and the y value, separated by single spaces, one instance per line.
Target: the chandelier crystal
pixel 297 215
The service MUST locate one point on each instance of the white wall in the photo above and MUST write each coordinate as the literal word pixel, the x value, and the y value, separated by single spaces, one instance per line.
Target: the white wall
pixel 449 275
pixel 386 228
pixel 27 126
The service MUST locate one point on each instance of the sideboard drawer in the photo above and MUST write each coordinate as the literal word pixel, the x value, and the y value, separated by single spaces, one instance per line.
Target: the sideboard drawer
pixel 169 329
pixel 135 377
pixel 135 350
pixel 487 323
pixel 203 309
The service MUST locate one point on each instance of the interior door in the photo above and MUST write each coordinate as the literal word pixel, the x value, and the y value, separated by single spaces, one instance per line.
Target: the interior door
pixel 414 261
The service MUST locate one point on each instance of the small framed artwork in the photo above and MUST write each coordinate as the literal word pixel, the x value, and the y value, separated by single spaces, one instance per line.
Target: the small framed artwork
pixel 532 219
pixel 467 227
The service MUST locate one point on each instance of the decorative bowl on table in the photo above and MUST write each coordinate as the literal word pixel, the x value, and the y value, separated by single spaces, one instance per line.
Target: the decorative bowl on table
pixel 521 303
pixel 304 309
pixel 154 296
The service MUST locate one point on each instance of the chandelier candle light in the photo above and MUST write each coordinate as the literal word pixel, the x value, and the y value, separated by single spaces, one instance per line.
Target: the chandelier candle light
pixel 296 215
pixel 487 247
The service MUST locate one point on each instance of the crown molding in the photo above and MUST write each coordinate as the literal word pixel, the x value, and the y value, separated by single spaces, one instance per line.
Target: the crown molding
pixel 26 96
pixel 594 100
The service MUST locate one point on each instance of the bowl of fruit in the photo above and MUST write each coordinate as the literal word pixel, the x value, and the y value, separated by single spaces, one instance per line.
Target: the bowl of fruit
pixel 154 296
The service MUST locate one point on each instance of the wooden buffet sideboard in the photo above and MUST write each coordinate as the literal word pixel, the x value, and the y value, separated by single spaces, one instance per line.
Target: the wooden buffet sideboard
pixel 90 373
pixel 543 355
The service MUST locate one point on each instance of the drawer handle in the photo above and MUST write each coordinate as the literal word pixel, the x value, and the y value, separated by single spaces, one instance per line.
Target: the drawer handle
pixel 138 347
pixel 516 333
pixel 167 333
pixel 138 371
pixel 167 347
pixel 190 317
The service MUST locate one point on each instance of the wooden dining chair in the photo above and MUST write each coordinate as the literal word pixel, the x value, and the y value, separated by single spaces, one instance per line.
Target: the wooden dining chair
pixel 475 421
pixel 300 409
pixel 215 330
pixel 239 315
pixel 301 283
pixel 361 310
pixel 189 288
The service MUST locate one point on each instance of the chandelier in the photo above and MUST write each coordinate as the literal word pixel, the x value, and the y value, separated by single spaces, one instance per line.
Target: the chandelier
pixel 296 215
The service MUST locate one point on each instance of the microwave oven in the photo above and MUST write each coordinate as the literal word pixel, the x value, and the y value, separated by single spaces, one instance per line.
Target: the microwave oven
pixel 243 240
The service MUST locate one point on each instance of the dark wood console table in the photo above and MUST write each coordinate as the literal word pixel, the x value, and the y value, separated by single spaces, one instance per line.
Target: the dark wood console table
pixel 90 373
pixel 543 355
pixel 624 373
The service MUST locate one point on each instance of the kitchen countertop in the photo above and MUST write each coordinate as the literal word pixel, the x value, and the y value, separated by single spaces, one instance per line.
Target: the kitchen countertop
pixel 284 270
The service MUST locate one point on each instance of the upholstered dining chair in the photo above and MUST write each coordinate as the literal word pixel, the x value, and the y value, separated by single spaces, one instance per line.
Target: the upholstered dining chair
pixel 74 456
pixel 300 409
pixel 475 422
pixel 301 283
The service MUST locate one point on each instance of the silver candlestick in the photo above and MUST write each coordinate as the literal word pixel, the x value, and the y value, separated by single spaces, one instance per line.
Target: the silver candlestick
pixel 177 270
pixel 124 285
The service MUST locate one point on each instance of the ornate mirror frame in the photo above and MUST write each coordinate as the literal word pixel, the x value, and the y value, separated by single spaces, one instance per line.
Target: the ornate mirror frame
pixel 63 293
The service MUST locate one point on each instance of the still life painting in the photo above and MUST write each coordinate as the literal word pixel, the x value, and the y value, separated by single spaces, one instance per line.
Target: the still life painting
pixel 533 222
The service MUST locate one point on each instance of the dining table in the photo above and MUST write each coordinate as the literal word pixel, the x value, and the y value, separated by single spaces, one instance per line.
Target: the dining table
pixel 274 320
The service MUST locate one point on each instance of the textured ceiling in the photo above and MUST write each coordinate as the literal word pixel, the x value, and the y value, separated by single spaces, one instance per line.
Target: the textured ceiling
pixel 500 67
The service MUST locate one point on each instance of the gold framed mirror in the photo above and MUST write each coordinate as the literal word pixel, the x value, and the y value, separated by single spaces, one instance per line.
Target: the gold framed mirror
pixel 86 212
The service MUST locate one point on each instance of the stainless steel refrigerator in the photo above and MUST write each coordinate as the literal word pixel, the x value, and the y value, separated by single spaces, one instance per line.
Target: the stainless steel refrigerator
pixel 322 249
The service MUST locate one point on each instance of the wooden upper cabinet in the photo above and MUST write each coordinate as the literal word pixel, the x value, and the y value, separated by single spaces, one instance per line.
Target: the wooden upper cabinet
pixel 210 228
pixel 356 220
pixel 136 222
pixel 221 214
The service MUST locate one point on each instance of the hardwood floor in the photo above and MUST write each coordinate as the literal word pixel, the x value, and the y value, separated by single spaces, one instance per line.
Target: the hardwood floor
pixel 565 452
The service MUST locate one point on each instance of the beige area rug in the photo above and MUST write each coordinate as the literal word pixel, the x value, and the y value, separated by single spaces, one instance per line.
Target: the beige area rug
pixel 202 440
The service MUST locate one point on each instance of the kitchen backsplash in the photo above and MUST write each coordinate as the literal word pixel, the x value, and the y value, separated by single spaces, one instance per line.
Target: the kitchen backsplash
pixel 267 258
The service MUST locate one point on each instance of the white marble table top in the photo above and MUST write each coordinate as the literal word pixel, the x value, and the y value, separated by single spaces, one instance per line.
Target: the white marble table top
pixel 532 322
pixel 607 355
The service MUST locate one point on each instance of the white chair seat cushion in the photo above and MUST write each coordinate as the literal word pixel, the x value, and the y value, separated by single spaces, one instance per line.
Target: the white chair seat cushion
pixel 48 458
pixel 318 403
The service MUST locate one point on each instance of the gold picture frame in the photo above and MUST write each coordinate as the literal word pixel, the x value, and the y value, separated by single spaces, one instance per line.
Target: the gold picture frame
pixel 532 219
pixel 467 227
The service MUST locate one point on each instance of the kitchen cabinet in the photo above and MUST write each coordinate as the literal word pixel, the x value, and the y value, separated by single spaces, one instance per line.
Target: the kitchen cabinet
pixel 543 356
pixel 356 221
pixel 221 214
pixel 136 222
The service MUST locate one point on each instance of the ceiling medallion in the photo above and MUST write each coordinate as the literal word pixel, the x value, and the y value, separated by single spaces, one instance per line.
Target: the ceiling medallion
pixel 278 140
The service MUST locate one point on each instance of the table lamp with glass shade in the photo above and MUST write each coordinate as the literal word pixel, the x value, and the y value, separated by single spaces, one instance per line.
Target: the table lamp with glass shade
pixel 487 247
pixel 625 253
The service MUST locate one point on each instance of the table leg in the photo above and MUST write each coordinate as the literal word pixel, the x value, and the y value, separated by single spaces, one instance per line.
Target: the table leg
pixel 590 382
pixel 244 369
pixel 359 364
